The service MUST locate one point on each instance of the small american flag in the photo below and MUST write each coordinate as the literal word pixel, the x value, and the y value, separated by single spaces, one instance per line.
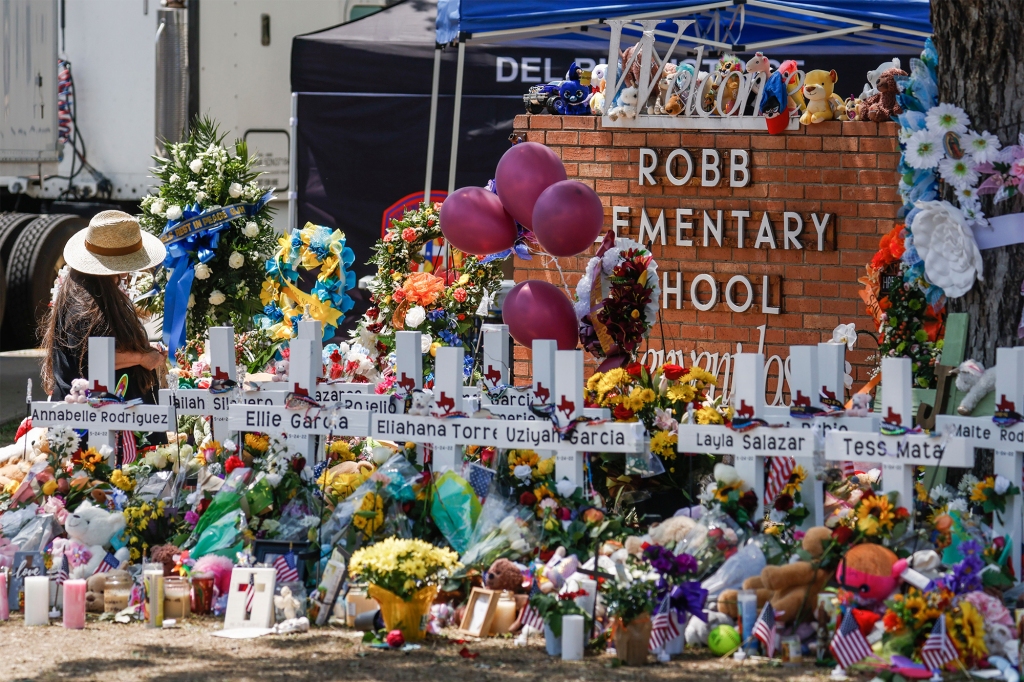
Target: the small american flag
pixel 938 649
pixel 848 644
pixel 285 565
pixel 109 563
pixel 663 628
pixel 128 448
pixel 765 629
pixel 64 572
pixel 480 478
pixel 778 477
pixel 531 617
pixel 849 469
pixel 250 594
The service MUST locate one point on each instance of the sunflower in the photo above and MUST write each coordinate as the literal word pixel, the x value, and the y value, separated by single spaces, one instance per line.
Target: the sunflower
pixel 874 515
pixel 370 515
pixel 722 492
pixel 981 488
pixel 256 442
pixel 684 393
pixel 796 479
pixel 916 609
pixel 970 639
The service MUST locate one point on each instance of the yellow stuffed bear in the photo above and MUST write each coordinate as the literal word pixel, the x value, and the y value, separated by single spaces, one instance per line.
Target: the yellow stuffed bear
pixel 822 103
pixel 790 588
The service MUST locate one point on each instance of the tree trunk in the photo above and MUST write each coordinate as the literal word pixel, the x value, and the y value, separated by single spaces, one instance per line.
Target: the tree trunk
pixel 981 68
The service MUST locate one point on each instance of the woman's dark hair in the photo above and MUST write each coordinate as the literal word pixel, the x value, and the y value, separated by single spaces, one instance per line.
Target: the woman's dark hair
pixel 91 305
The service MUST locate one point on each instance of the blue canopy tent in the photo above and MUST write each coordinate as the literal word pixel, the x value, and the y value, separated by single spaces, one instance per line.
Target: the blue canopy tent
pixel 731 26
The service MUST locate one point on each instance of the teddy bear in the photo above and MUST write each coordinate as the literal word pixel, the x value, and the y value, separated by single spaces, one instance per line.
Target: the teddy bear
pixel 883 105
pixel 421 403
pixel 626 106
pixel 818 91
pixel 597 99
pixel 860 405
pixel 77 394
pixel 90 530
pixel 504 575
pixel 790 588
pixel 666 534
pixel 871 572
pixel 870 88
pixel 665 85
pixel 973 379
pixel 16 460
pixel 164 554
pixel 96 585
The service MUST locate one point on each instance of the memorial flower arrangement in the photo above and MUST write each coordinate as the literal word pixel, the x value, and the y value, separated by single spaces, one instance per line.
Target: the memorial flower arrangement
pixel 617 300
pixel 150 523
pixel 992 494
pixel 254 350
pixel 857 513
pixel 551 607
pixel 212 273
pixel 403 566
pixel 308 274
pixel 410 292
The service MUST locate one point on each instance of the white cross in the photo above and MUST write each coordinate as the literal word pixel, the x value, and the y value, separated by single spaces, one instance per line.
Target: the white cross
pixel 1007 441
pixel 102 421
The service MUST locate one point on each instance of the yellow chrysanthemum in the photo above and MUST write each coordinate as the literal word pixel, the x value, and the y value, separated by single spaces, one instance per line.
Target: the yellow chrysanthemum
pixel 370 515
pixel 119 479
pixel 698 374
pixel 257 442
pixel 594 380
pixel 709 415
pixel 682 393
pixel 874 515
pixel 663 443
pixel 612 379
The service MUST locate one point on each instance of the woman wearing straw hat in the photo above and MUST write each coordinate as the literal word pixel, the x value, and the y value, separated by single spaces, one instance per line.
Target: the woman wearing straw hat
pixel 91 302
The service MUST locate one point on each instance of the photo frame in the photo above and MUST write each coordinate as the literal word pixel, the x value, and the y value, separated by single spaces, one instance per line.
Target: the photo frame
pixel 480 610
pixel 266 551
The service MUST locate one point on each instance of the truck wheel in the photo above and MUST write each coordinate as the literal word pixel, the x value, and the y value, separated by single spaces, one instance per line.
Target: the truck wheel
pixel 11 225
pixel 37 256
pixel 3 293
pixel 533 108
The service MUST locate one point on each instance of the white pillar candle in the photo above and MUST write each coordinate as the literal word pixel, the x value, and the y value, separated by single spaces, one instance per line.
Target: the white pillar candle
pixel 573 637
pixel 37 600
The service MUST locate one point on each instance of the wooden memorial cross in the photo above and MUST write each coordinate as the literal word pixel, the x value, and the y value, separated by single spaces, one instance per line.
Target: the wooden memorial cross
pixel 1007 441
pixel 102 421
pixel 448 381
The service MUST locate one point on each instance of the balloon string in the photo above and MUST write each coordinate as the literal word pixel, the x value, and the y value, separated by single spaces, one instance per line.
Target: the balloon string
pixel 549 260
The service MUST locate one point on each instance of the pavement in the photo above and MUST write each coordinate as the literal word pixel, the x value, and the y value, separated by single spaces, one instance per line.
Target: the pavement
pixel 16 367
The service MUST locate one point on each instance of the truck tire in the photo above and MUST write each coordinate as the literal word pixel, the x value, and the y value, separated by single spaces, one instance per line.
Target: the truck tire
pixel 3 294
pixel 11 225
pixel 37 256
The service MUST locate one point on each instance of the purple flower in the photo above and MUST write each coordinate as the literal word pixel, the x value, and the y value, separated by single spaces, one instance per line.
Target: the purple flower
pixel 685 563
pixel 191 518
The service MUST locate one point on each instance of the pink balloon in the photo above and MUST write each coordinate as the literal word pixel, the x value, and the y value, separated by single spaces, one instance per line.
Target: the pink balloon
pixel 567 218
pixel 474 221
pixel 535 309
pixel 526 170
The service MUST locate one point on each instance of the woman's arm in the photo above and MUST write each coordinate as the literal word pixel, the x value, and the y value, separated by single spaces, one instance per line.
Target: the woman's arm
pixel 150 359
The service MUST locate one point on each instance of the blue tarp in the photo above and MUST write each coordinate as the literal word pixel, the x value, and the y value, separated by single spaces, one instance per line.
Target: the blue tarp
pixel 740 23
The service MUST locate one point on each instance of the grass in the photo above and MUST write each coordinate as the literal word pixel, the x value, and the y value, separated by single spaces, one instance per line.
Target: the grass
pixel 7 431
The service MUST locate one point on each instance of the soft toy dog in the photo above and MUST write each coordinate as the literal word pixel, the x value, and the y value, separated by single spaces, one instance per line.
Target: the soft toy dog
pixel 790 588
pixel 504 575
pixel 626 106
pixel 818 90
pixel 871 572
pixel 976 381
pixel 90 530
pixel 882 106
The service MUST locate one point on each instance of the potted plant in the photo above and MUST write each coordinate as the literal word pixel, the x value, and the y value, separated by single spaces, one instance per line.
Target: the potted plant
pixel 551 607
pixel 404 577
pixel 629 604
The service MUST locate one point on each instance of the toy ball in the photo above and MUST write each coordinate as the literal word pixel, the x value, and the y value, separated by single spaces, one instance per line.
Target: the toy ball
pixel 567 218
pixel 524 171
pixel 535 309
pixel 723 639
pixel 474 221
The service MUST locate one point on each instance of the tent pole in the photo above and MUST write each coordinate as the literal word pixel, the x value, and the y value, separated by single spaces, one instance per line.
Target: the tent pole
pixel 432 130
pixel 293 165
pixel 457 114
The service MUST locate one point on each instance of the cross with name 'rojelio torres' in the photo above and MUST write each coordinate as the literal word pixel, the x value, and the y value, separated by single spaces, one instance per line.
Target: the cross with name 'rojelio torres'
pixel 105 413
pixel 1004 433
pixel 748 447
pixel 898 454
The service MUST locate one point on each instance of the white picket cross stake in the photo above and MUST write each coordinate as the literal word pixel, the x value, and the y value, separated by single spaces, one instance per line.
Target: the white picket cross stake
pixel 1007 441
pixel 102 422
pixel 495 355
pixel 448 379
pixel 804 385
pixel 408 362
pixel 568 405
pixel 304 366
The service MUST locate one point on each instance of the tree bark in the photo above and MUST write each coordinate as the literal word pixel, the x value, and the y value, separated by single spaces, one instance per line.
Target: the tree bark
pixel 980 44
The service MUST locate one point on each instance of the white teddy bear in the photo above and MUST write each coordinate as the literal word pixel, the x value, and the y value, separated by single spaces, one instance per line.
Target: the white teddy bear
pixel 421 403
pixel 626 106
pixel 92 528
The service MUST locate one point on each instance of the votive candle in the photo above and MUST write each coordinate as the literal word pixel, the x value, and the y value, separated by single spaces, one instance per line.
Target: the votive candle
pixel 5 606
pixel 573 637
pixel 74 604
pixel 37 600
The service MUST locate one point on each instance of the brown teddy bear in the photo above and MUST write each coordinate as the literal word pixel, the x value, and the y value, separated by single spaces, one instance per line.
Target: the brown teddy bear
pixel 790 588
pixel 882 106
pixel 504 575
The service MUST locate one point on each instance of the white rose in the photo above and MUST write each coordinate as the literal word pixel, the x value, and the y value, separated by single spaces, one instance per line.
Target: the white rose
pixel 415 316
pixel 186 451
pixel 946 244
pixel 273 480
pixel 229 445
pixel 565 487
pixel 381 454
pixel 522 472
pixel 1002 485
pixel 216 297
pixel 234 190
pixel 200 197
pixel 726 474
pixel 157 207
pixel 203 271
pixel 425 341
pixel 236 260
pixel 173 212
pixel 196 165
pixel 519 545
pixel 251 229
pixel 174 178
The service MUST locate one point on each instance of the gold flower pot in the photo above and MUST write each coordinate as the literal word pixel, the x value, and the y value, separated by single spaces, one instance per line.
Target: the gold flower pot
pixel 408 616
pixel 633 640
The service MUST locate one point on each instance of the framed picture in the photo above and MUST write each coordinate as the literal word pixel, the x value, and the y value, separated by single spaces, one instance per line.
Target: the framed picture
pixel 479 612
pixel 296 553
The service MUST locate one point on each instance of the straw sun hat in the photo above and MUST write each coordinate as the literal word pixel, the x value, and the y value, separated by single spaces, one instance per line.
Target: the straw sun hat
pixel 113 244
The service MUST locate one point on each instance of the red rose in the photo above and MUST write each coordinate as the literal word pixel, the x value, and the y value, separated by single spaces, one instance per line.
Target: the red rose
pixel 545 554
pixel 389 236
pixel 783 503
pixel 335 356
pixel 395 639
pixel 409 234
pixel 842 534
pixel 749 501
pixel 233 462
pixel 459 295
pixel 398 296
pixel 673 372
pixel 528 499
pixel 622 412
pixel 203 504
pixel 298 464
pixel 902 513
pixel 564 513
pixel 336 371
pixel 635 369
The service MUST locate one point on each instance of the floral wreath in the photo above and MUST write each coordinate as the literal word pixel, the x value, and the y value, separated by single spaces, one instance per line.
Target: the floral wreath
pixel 617 300
pixel 411 292
pixel 312 249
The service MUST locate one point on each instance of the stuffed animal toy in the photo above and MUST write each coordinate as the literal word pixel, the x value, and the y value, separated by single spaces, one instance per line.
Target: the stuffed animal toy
pixel 759 64
pixel 422 401
pixel 78 389
pixel 96 585
pixel 666 84
pixel 597 99
pixel 16 460
pixel 219 567
pixel 791 589
pixel 597 74
pixel 871 572
pixel 504 575
pixel 871 87
pixel 286 603
pixel 632 75
pixel 666 534
pixel 790 71
pixel 883 105
pixel 627 104
pixel 976 381
pixel 556 571
pixel 576 97
pixel 353 467
pixel 861 405
pixel 164 554
pixel 818 90
pixel 90 530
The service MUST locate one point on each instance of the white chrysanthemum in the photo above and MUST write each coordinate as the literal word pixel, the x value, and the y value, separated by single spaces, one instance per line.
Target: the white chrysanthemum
pixel 610 260
pixel 157 207
pixel 196 165
pixel 942 492
pixel 983 146
pixel 924 149
pixel 174 178
pixel 173 212
pixel 960 173
pixel 251 229
pixel 957 505
pixel 236 260
pixel 203 271
pixel 945 118
pixel 191 185
pixel 966 195
pixel 216 297
pixel 234 190
pixel 945 242
pixel 200 197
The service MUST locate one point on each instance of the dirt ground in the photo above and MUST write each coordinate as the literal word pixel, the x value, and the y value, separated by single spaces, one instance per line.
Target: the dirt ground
pixel 112 652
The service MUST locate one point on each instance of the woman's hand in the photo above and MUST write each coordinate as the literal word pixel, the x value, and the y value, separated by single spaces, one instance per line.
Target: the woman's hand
pixel 153 359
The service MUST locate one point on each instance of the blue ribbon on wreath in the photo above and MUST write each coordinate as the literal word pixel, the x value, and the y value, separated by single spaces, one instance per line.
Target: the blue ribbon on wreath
pixel 193 239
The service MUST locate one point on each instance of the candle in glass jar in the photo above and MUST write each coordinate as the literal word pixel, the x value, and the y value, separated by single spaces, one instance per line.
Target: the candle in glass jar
pixel 504 615
pixel 573 637
pixel 74 604
pixel 176 598
pixel 117 593
pixel 5 607
pixel 202 593
pixel 37 600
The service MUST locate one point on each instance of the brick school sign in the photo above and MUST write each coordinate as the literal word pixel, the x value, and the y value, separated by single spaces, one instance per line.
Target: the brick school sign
pixel 759 239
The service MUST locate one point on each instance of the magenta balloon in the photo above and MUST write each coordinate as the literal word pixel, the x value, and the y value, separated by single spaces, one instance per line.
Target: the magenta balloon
pixel 526 170
pixel 535 309
pixel 567 218
pixel 474 221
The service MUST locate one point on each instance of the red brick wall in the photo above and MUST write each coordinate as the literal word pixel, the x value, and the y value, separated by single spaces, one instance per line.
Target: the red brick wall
pixel 845 169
